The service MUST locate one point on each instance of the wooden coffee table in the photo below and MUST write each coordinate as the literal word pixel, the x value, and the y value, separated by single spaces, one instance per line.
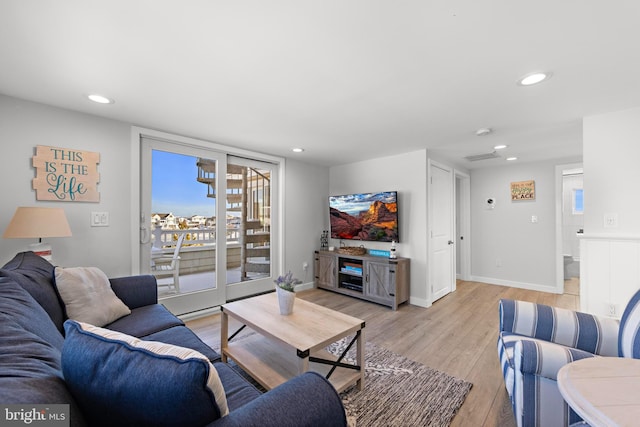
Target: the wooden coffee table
pixel 285 346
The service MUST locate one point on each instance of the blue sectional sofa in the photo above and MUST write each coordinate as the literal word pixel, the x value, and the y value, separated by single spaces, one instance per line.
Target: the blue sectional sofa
pixel 536 340
pixel 32 343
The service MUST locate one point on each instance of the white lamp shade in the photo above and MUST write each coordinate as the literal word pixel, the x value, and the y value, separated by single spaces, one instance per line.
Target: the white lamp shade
pixel 36 223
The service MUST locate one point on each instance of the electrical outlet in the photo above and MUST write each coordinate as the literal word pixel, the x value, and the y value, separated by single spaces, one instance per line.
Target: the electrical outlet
pixel 610 220
pixel 612 309
pixel 498 262
pixel 305 266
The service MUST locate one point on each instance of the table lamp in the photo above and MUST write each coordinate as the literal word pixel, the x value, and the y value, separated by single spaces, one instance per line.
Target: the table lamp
pixel 36 223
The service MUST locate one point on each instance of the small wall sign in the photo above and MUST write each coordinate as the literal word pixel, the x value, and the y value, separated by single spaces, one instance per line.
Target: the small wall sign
pixel 523 190
pixel 66 175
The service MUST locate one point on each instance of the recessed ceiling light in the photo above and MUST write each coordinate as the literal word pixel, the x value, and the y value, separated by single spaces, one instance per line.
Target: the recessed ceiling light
pixel 100 99
pixel 511 159
pixel 534 78
pixel 500 147
pixel 483 131
pixel 297 150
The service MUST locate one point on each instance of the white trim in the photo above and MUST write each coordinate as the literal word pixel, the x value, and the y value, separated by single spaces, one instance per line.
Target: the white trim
pixel 465 224
pixel 608 236
pixel 135 201
pixel 304 286
pixel 198 314
pixel 420 302
pixel 512 284
pixel 559 287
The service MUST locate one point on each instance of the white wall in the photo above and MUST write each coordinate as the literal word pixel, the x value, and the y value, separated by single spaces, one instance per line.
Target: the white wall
pixel 23 126
pixel 610 256
pixel 306 215
pixel 505 235
pixel 611 155
pixel 407 174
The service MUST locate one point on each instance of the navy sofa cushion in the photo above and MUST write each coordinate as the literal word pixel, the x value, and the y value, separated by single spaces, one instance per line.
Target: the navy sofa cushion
pixel 238 390
pixel 30 370
pixel 136 291
pixel 118 384
pixel 18 304
pixel 184 337
pixel 35 274
pixel 308 400
pixel 145 321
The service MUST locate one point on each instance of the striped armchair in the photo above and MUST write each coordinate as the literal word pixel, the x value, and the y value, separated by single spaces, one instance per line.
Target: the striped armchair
pixel 536 340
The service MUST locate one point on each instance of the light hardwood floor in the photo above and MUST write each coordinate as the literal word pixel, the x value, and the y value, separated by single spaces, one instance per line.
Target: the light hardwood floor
pixel 457 335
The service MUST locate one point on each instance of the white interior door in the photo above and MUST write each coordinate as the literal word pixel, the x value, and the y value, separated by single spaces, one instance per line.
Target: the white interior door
pixel 442 240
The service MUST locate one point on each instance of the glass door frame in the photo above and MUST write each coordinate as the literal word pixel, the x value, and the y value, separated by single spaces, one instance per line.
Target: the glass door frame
pixel 183 303
pixel 138 234
pixel 256 286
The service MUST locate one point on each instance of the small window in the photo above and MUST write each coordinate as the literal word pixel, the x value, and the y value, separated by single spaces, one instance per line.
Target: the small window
pixel 578 201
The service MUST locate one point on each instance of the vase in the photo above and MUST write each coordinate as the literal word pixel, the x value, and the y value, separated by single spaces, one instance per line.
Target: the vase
pixel 285 300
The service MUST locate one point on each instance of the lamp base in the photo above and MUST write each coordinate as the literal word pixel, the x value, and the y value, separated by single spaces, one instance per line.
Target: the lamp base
pixel 41 249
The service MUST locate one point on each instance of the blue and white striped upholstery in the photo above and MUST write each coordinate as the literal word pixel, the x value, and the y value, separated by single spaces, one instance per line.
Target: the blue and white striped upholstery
pixel 629 339
pixel 535 341
pixel 597 335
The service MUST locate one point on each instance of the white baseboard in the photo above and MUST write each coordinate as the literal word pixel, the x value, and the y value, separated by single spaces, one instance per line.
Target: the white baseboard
pixel 304 286
pixel 419 302
pixel 520 285
pixel 199 314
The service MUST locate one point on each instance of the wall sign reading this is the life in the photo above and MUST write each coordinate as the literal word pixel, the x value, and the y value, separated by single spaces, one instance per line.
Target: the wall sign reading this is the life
pixel 66 175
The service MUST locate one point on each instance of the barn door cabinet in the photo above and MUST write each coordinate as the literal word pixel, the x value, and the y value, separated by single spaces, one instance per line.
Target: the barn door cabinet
pixel 376 279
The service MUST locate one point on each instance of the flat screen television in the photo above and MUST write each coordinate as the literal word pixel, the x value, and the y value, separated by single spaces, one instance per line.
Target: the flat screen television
pixel 365 216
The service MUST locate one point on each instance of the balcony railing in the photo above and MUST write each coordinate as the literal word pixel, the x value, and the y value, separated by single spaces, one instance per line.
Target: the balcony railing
pixel 198 248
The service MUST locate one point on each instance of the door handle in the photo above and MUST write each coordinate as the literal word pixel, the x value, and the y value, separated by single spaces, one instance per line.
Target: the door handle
pixel 450 242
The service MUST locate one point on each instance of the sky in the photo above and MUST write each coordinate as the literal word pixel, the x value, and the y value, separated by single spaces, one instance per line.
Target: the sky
pixel 174 186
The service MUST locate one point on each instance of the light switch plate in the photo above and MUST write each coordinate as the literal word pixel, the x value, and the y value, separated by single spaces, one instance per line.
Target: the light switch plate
pixel 610 220
pixel 99 219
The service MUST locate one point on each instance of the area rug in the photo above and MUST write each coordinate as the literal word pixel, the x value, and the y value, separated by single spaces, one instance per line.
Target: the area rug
pixel 401 392
pixel 398 391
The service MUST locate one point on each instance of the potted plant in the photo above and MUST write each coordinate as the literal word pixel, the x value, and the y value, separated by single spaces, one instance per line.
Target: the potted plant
pixel 286 294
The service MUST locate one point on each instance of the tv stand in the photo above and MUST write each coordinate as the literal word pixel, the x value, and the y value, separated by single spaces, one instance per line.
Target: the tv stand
pixel 372 278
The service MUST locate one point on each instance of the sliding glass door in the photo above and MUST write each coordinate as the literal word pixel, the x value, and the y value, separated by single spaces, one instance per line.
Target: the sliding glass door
pixel 207 223
pixel 183 238
pixel 251 190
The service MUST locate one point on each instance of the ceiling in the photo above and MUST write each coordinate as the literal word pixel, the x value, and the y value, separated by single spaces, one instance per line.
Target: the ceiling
pixel 345 80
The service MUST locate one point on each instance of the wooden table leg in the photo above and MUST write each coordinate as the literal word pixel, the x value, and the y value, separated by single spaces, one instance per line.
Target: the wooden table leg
pixel 303 362
pixel 224 335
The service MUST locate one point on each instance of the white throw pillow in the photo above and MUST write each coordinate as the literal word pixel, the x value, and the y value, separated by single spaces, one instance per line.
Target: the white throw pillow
pixel 88 297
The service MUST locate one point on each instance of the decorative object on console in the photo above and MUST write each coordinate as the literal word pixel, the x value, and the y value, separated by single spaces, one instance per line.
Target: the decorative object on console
pixel 392 251
pixel 352 250
pixel 324 240
pixel 30 222
pixel 285 288
pixel 378 252
pixel 365 216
